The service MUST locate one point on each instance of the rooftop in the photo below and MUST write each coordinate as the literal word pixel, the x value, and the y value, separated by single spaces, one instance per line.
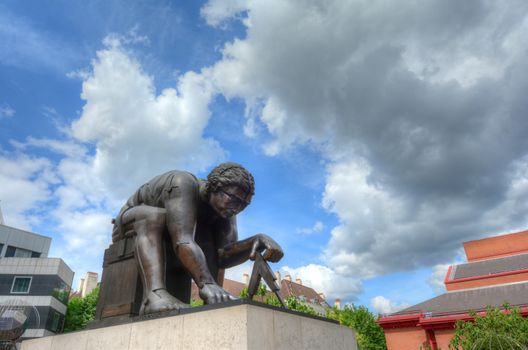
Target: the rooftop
pixel 492 266
pixel 472 299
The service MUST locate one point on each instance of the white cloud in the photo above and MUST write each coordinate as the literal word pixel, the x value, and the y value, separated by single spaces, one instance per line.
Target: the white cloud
pixel 436 281
pixel 66 148
pixel 383 305
pixel 138 134
pixel 131 37
pixel 25 182
pixel 6 111
pixel 217 12
pixel 86 231
pixel 317 227
pixel 236 273
pixel 325 280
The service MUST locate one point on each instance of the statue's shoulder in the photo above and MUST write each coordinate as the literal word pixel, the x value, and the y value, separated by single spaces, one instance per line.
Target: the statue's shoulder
pixel 178 178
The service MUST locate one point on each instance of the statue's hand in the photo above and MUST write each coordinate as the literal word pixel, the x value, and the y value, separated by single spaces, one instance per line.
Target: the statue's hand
pixel 271 250
pixel 212 293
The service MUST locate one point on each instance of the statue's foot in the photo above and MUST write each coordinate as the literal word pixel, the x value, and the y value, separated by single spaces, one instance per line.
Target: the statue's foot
pixel 212 293
pixel 160 300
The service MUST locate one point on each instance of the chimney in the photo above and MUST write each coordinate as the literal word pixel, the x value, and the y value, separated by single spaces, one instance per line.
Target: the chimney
pixel 322 296
pixel 245 279
pixel 287 278
pixel 337 303
pixel 298 281
pixel 278 276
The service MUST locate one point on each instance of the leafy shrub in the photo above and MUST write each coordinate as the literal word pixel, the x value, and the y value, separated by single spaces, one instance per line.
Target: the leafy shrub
pixel 497 329
pixel 81 311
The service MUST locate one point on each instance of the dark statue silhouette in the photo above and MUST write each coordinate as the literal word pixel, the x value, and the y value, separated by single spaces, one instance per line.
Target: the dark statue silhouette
pixel 178 227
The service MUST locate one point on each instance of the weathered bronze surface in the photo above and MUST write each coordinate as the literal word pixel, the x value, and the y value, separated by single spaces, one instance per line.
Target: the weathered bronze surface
pixel 174 228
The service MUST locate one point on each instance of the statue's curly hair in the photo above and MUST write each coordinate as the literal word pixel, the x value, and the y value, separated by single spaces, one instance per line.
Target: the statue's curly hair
pixel 229 174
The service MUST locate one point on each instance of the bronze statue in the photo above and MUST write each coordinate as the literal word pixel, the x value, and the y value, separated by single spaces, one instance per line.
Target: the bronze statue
pixel 199 217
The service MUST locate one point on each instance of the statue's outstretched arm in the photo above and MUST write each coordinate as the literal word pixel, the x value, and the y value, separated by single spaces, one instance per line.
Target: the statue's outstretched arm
pixel 233 252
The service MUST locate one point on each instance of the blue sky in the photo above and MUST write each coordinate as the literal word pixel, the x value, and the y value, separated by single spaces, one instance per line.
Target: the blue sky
pixel 381 135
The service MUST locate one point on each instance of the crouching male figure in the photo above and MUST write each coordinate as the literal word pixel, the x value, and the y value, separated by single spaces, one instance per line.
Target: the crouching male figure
pixel 200 218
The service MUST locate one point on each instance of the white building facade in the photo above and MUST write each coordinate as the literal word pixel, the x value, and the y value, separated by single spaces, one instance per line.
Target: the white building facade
pixel 28 276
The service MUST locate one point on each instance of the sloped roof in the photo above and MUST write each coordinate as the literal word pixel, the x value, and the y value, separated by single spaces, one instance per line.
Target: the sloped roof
pixel 289 288
pixel 492 266
pixel 472 299
pixel 233 287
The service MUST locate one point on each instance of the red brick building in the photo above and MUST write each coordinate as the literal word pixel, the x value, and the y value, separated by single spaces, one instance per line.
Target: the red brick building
pixel 496 272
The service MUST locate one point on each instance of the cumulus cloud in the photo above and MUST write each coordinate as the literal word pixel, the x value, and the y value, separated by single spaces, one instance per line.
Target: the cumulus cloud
pixel 418 107
pixel 383 305
pixel 325 280
pixel 138 133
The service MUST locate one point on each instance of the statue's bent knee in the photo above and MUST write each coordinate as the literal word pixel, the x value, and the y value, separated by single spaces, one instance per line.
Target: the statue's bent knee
pixel 143 212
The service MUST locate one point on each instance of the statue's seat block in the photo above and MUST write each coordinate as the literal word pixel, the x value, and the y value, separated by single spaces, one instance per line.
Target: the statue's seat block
pixel 121 288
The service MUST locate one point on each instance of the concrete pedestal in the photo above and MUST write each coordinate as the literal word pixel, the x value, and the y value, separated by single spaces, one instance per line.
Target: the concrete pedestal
pixel 234 325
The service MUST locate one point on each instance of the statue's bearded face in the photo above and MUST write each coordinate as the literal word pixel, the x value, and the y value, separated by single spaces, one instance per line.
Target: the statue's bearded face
pixel 229 201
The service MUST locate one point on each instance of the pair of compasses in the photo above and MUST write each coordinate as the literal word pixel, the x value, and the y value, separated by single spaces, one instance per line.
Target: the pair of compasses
pixel 261 270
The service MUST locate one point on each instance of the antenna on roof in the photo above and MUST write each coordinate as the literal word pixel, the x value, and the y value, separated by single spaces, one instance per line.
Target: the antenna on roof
pixel 1 215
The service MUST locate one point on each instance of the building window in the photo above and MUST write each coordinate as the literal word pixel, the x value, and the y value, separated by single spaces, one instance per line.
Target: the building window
pixel 22 253
pixel 61 292
pixel 21 285
pixel 55 321
pixel 10 251
pixel 17 252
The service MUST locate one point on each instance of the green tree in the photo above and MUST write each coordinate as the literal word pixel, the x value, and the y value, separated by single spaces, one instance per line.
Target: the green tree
pixel 261 291
pixel 81 311
pixel 369 334
pixel 196 302
pixel 292 303
pixel 497 329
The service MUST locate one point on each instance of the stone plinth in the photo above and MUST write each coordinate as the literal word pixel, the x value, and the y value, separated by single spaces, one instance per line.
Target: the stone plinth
pixel 235 325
